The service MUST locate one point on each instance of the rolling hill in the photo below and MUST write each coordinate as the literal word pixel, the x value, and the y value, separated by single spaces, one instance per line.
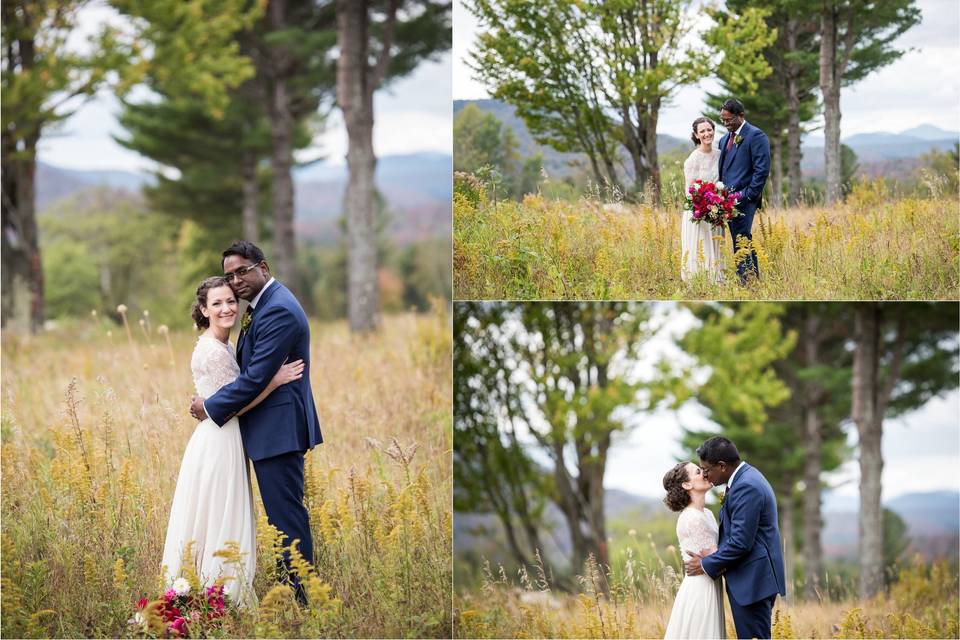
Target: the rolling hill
pixel 879 153
pixel 417 189
pixel 933 524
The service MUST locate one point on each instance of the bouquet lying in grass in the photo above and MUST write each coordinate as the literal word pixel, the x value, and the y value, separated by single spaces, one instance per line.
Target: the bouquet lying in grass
pixel 711 203
pixel 182 611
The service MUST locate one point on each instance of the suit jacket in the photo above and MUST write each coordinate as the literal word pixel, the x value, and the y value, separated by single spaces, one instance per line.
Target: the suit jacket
pixel 287 419
pixel 749 553
pixel 746 166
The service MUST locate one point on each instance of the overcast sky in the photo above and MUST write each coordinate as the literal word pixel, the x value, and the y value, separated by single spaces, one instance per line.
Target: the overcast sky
pixel 923 87
pixel 412 115
pixel 921 449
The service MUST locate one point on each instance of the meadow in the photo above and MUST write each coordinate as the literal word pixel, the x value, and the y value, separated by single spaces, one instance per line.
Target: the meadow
pixel 633 599
pixel 873 247
pixel 95 422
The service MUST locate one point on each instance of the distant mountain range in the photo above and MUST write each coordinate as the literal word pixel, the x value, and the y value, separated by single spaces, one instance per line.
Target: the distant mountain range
pixel 555 163
pixel 933 524
pixel 417 188
pixel 879 153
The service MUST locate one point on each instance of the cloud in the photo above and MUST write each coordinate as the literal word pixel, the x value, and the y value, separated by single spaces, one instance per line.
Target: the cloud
pixel 412 114
pixel 907 93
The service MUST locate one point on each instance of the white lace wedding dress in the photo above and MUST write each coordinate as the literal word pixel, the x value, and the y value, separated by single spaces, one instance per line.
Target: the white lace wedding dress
pixel 699 242
pixel 698 609
pixel 213 501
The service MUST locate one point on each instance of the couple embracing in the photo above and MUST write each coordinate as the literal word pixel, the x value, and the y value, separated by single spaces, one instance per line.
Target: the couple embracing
pixel 742 164
pixel 744 549
pixel 253 402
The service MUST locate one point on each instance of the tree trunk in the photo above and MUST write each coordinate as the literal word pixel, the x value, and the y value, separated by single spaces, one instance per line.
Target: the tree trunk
pixel 356 83
pixel 650 154
pixel 20 245
pixel 28 221
pixel 793 116
pixel 281 160
pixel 789 538
pixel 813 438
pixel 569 504
pixel 776 183
pixel 869 421
pixel 251 224
pixel 830 75
pixel 812 521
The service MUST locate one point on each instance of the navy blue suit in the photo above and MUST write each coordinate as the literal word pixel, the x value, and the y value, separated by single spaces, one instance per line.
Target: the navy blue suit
pixel 279 431
pixel 745 169
pixel 749 554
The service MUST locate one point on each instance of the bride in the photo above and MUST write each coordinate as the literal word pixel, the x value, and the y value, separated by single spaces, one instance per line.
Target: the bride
pixel 213 501
pixel 699 248
pixel 698 608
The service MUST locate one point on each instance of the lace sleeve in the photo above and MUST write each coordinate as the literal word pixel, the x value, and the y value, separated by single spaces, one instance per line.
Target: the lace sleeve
pixel 694 532
pixel 688 170
pixel 213 366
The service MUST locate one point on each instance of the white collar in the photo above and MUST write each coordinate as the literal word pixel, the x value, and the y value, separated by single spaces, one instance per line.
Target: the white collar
pixel 256 299
pixel 740 128
pixel 734 475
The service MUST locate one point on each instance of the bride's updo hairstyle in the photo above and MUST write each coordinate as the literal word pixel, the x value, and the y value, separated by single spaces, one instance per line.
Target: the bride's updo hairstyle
pixel 201 300
pixel 696 123
pixel 677 497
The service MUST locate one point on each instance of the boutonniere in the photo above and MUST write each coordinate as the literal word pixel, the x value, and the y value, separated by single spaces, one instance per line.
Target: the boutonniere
pixel 723 496
pixel 737 140
pixel 245 321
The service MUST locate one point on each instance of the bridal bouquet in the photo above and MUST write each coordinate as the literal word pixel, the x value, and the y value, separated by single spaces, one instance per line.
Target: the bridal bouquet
pixel 181 611
pixel 711 203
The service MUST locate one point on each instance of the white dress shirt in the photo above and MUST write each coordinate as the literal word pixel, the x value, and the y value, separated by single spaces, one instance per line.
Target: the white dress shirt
pixel 256 298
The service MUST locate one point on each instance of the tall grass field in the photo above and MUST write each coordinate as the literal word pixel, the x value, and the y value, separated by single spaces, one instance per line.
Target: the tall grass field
pixel 873 247
pixel 94 425
pixel 634 598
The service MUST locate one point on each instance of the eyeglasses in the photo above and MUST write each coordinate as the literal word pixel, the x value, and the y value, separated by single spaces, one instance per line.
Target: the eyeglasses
pixel 241 272
pixel 706 469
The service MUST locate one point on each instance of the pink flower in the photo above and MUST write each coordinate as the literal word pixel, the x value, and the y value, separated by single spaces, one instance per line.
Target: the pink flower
pixel 142 603
pixel 169 594
pixel 179 626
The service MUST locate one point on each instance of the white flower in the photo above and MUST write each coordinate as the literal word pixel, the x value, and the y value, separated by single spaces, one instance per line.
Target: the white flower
pixel 137 620
pixel 720 185
pixel 121 308
pixel 181 586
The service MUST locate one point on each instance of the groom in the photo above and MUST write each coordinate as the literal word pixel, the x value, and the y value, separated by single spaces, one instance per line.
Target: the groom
pixel 279 431
pixel 748 553
pixel 744 166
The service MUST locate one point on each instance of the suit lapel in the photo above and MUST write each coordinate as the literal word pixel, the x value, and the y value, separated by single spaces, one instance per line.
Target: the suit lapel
pixel 241 339
pixel 743 134
pixel 723 153
pixel 724 513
